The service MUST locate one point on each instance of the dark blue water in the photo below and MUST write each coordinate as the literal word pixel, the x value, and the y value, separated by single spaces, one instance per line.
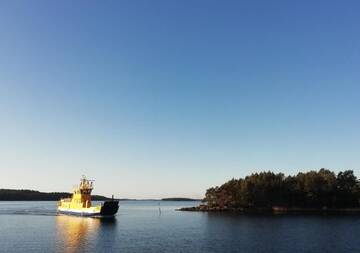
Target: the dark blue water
pixel 139 227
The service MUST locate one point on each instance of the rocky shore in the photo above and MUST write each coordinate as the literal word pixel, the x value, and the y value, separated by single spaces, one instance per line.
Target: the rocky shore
pixel 272 210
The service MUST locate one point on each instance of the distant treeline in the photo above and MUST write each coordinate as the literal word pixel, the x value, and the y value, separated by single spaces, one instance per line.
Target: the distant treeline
pixel 314 189
pixel 179 199
pixel 27 195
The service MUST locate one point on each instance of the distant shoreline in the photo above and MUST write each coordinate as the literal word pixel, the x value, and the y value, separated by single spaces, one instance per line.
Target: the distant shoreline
pixel 180 199
pixel 32 195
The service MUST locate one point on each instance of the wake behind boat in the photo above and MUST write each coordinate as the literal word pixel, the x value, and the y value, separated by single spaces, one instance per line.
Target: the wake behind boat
pixel 80 202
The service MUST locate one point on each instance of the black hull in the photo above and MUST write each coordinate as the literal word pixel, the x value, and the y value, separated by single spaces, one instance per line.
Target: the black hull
pixel 109 208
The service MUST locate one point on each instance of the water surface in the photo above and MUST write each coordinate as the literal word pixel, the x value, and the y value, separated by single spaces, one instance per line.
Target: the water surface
pixel 141 227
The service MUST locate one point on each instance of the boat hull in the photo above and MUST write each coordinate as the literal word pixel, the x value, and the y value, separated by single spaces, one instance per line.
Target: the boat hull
pixel 108 208
pixel 78 213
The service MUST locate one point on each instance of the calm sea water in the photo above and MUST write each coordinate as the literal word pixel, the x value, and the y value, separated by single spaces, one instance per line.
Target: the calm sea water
pixel 140 227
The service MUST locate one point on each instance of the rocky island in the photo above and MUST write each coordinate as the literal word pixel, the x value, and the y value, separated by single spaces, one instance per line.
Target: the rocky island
pixel 313 191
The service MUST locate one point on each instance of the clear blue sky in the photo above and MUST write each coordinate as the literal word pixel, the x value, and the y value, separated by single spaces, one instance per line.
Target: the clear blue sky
pixel 169 98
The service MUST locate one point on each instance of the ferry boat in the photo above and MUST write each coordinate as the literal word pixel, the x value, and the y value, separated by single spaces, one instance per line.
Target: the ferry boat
pixel 80 202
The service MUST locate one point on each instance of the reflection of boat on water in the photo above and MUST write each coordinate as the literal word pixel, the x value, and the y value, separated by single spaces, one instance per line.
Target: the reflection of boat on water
pixel 80 234
pixel 74 232
pixel 80 203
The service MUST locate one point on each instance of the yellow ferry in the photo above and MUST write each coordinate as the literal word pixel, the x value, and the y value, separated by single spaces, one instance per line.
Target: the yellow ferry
pixel 80 203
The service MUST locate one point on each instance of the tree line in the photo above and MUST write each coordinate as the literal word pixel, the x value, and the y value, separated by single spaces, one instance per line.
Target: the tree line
pixel 27 195
pixel 313 189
